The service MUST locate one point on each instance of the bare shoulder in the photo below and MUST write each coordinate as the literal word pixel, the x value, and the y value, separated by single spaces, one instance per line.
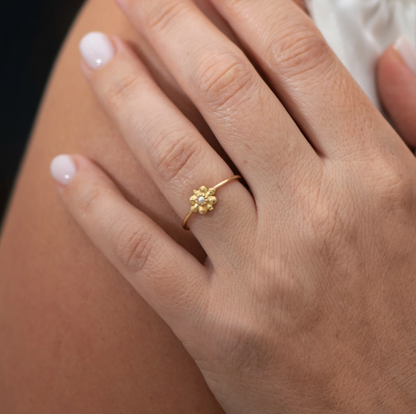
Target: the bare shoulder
pixel 74 336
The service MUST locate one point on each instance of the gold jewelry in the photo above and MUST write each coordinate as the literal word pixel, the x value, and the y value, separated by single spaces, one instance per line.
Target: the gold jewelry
pixel 203 200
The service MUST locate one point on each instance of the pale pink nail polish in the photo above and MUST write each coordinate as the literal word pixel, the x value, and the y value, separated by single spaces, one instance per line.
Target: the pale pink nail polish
pixel 407 52
pixel 63 169
pixel 96 49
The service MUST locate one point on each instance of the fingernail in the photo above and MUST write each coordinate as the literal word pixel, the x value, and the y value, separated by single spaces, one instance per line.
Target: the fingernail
pixel 63 169
pixel 96 49
pixel 407 52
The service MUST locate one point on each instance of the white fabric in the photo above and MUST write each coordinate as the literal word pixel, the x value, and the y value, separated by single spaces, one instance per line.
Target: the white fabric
pixel 359 31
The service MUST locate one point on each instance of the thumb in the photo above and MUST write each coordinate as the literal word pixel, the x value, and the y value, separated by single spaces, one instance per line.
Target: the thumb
pixel 397 87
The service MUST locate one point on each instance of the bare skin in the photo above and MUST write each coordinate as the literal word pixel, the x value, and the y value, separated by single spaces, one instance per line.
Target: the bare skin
pixel 74 336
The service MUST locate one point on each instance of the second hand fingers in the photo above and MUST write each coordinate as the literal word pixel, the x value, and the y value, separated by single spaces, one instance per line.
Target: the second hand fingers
pixel 166 143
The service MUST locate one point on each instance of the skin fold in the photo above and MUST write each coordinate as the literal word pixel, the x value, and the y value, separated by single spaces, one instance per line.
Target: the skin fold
pixel 74 336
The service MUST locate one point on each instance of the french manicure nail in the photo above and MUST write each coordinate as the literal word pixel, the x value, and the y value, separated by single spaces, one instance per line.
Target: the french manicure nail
pixel 63 169
pixel 407 52
pixel 96 49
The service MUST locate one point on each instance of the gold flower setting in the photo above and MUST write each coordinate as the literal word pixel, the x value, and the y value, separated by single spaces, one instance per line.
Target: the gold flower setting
pixel 203 200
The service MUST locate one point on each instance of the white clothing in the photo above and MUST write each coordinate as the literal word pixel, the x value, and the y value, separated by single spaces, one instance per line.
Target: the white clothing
pixel 360 30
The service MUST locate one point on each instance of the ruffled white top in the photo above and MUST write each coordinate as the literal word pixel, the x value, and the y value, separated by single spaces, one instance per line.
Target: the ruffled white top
pixel 359 31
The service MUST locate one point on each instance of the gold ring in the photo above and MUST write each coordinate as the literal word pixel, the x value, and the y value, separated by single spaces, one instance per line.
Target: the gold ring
pixel 203 200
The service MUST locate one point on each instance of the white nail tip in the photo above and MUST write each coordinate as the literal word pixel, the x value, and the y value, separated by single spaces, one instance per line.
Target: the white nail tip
pixel 96 49
pixel 63 169
pixel 407 52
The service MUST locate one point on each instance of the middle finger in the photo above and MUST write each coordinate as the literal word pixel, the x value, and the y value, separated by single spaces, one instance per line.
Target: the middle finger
pixel 248 120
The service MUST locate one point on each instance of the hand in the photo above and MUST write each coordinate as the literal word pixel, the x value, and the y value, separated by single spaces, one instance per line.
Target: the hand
pixel 306 304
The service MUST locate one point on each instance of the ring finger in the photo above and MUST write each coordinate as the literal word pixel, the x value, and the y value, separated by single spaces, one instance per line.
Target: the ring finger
pixel 166 143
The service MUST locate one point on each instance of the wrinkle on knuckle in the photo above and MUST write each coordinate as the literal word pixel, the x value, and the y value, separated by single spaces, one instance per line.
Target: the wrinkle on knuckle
pixel 175 155
pixel 120 89
pixel 133 247
pixel 234 6
pixel 317 208
pixel 300 51
pixel 326 216
pixel 334 230
pixel 224 80
pixel 160 17
pixel 88 199
pixel 393 186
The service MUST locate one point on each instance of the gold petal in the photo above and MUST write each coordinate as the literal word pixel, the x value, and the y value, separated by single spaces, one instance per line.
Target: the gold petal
pixel 211 192
pixel 194 208
pixel 193 199
pixel 210 207
pixel 203 189
pixel 212 200
pixel 203 210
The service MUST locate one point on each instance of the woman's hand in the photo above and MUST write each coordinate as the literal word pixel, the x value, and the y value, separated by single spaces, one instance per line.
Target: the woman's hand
pixel 306 304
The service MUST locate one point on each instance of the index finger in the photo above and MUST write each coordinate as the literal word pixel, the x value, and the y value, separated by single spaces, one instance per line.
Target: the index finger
pixel 169 278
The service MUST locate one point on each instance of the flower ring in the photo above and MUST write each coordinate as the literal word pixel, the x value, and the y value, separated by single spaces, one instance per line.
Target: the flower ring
pixel 204 200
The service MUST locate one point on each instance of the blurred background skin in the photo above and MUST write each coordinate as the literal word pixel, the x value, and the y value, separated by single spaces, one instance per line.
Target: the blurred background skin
pixel 32 31
pixel 74 335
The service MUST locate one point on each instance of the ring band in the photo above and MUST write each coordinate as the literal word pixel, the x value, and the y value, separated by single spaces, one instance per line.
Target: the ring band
pixel 203 200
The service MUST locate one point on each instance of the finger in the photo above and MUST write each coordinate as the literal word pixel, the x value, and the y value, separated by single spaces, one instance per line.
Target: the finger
pixel 301 4
pixel 397 87
pixel 169 278
pixel 306 75
pixel 166 143
pixel 246 117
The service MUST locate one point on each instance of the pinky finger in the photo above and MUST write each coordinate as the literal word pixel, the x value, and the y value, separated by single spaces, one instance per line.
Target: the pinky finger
pixel 169 278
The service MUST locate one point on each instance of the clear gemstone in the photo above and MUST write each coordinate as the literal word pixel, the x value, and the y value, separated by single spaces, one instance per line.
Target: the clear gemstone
pixel 201 200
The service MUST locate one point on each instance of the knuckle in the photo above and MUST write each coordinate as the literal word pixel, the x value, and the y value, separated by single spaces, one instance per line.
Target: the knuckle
pixel 234 6
pixel 325 215
pixel 321 216
pixel 133 247
pixel 224 80
pixel 160 16
pixel 324 219
pixel 174 155
pixel 333 234
pixel 88 198
pixel 300 50
pixel 119 90
pixel 393 185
